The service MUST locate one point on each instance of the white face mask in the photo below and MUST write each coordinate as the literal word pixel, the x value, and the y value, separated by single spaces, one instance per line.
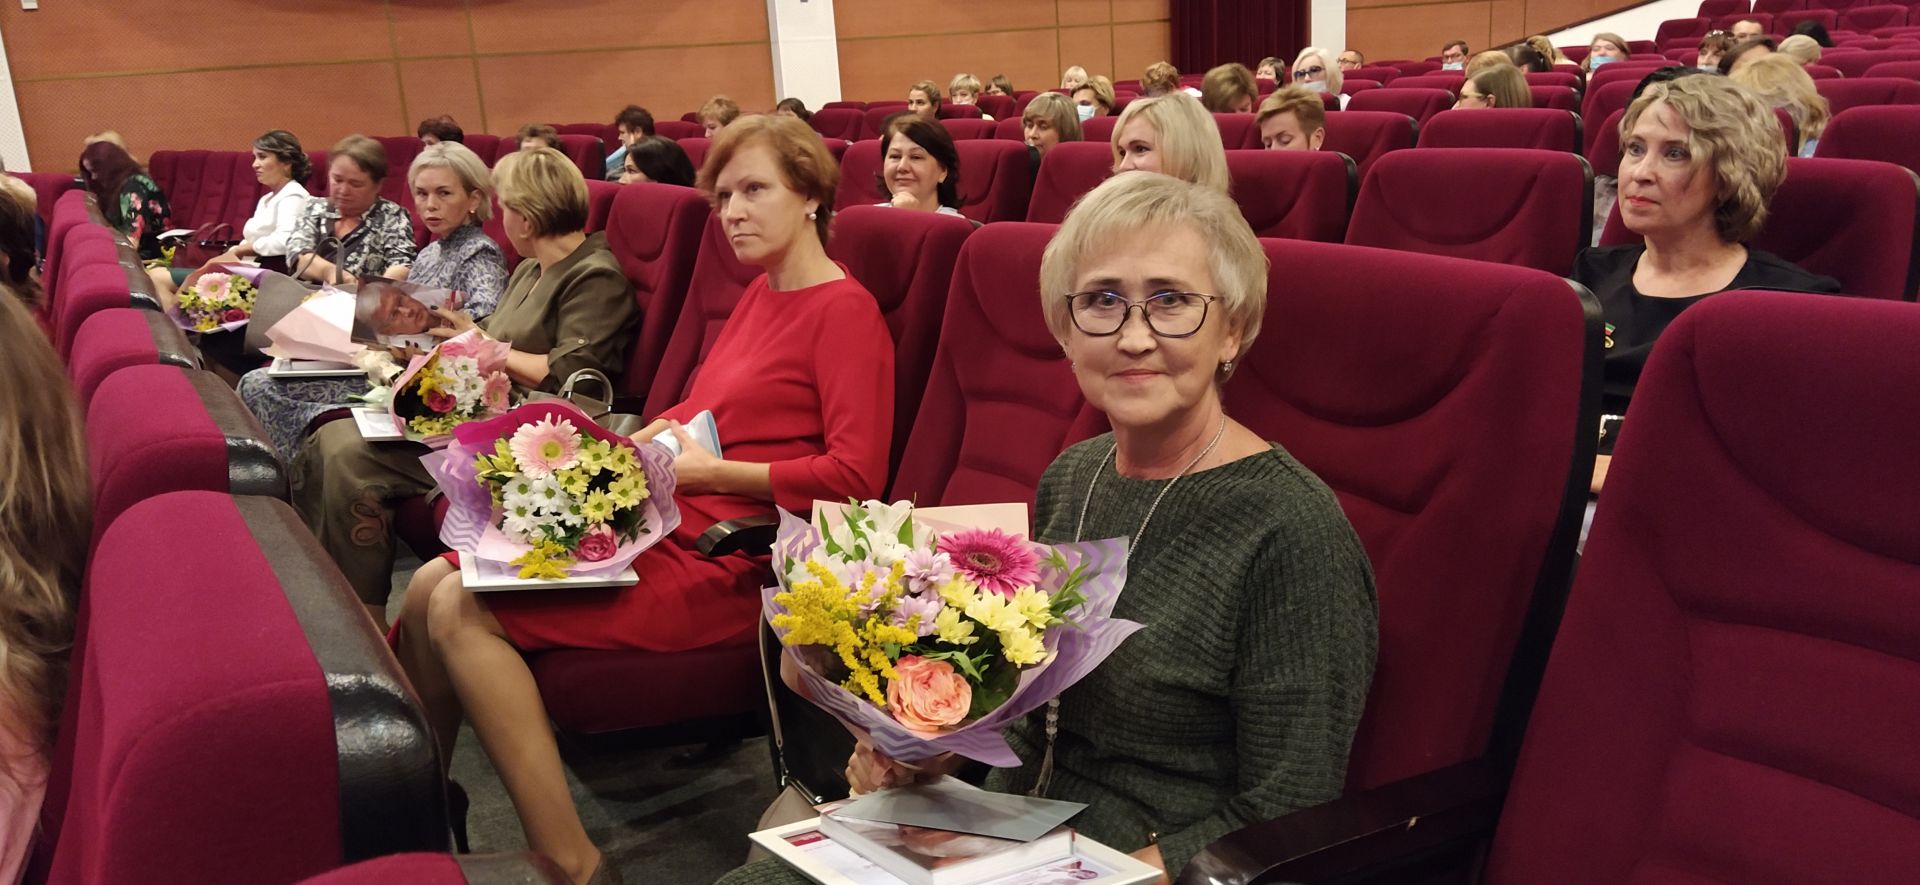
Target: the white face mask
pixel 1085 110
pixel 1709 68
pixel 1314 86
pixel 1454 66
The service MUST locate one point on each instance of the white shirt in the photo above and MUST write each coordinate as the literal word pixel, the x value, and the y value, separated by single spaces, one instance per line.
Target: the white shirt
pixel 274 217
pixel 943 210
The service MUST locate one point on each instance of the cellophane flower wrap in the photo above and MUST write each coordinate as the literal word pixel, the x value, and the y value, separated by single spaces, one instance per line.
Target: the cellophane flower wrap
pixel 462 379
pixel 545 489
pixel 216 302
pixel 932 639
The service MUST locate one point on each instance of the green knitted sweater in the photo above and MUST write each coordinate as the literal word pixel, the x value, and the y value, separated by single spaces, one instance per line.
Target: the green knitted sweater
pixel 1239 700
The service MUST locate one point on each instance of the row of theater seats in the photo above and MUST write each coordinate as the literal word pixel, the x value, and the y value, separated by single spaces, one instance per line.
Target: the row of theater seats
pixel 231 716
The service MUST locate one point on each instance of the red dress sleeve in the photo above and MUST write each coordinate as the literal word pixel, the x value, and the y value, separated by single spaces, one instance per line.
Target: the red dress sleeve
pixel 852 355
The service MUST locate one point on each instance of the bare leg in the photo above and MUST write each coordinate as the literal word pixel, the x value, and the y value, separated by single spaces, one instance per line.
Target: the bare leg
pixel 503 703
pixel 162 280
pixel 422 663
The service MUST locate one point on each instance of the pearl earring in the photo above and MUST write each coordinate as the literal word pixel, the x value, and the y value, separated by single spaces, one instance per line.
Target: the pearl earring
pixel 813 216
pixel 1226 366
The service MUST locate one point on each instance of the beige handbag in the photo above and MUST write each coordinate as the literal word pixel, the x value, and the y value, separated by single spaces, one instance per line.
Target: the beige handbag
pixel 600 410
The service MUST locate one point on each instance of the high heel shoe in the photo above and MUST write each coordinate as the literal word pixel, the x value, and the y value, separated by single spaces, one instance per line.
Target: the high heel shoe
pixel 457 816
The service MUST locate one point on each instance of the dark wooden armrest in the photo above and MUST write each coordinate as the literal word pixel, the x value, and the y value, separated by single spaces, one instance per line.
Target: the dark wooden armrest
pixel 750 534
pixel 1379 835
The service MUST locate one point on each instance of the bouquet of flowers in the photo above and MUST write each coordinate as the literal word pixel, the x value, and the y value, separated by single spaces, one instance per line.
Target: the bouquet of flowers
pixel 931 638
pixel 462 379
pixel 217 302
pixel 545 489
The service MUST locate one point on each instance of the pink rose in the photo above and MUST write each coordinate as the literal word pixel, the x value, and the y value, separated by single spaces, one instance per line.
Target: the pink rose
pixel 598 545
pixel 233 316
pixel 928 695
pixel 441 401
pixel 495 394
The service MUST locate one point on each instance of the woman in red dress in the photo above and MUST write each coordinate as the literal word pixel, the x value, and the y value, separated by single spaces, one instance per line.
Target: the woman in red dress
pixel 800 383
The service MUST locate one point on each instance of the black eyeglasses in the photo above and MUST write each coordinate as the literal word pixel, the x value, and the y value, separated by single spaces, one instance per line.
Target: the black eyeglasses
pixel 1304 73
pixel 1168 314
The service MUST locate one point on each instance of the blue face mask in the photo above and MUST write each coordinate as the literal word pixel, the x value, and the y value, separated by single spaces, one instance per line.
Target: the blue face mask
pixel 1594 61
pixel 1314 86
pixel 1454 66
pixel 1711 69
pixel 1085 111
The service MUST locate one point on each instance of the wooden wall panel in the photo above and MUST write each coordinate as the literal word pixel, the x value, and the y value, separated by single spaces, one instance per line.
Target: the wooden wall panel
pixel 553 88
pixel 1403 29
pixel 887 45
pixel 603 24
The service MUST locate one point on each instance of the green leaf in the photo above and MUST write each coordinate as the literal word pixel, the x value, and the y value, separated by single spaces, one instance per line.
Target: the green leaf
pixel 993 690
pixel 960 660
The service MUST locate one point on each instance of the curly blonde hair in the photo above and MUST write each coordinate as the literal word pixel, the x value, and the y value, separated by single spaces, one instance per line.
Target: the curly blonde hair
pixel 1733 135
pixel 44 530
pixel 1780 82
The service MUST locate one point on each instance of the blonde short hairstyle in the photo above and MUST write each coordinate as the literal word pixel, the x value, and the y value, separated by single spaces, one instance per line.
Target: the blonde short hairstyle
pixel 928 87
pixel 545 188
pixel 1102 91
pixel 1780 82
pixel 1296 100
pixel 1734 136
pixel 1225 85
pixel 1190 147
pixel 1160 78
pixel 1327 59
pixel 1125 204
pixel 466 164
pixel 1506 84
pixel 1069 72
pixel 1545 47
pixel 1058 110
pixel 964 83
pixel 720 109
pixel 1801 48
pixel 1489 60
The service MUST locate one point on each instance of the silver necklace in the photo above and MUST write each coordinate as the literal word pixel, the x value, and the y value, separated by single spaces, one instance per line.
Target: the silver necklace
pixel 1079 527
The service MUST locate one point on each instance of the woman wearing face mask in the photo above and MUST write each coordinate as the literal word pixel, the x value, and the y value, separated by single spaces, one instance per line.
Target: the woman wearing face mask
pixel 920 169
pixel 1316 70
pixel 1171 135
pixel 453 194
pixel 1094 99
pixel 1712 48
pixel 1605 49
pixel 368 234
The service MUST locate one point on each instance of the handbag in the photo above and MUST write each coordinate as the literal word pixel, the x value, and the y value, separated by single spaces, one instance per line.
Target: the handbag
pixel 600 410
pixel 204 244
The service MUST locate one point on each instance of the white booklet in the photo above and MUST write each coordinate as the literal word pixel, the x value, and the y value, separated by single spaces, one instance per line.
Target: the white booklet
pixel 376 425
pixel 819 858
pixel 479 576
pixel 283 367
pixel 703 430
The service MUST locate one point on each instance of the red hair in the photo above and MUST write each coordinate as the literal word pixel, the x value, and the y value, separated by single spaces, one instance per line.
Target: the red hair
pixel 105 167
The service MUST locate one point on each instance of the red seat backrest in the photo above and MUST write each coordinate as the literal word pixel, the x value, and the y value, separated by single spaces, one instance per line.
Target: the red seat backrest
pixel 1521 207
pixel 1822 72
pixel 854 105
pixel 1903 70
pixel 586 152
pixel 996 367
pixel 608 133
pixel 1559 98
pixel 1716 8
pixel 654 231
pixel 1237 130
pixel 1680 28
pixel 877 115
pixel 1603 100
pixel 1067 173
pixel 600 196
pixel 485 144
pixel 1416 103
pixel 1631 70
pixel 1451 416
pixel 1010 129
pixel 1367 135
pixel 1855 64
pixel 1098 129
pixel 1866 18
pixel 1297 195
pixel 906 260
pixel 1852 92
pixel 1787 20
pixel 1727 21
pixel 47 188
pixel 1351 85
pixel 1416 68
pixel 1889 133
pixel 996 179
pixel 718 281
pixel 401 149
pixel 1704 710
pixel 1451 81
pixel 1539 128
pixel 1603 145
pixel 967 128
pixel 1381 73
pixel 950 111
pixel 859 171
pixel 845 124
pixel 1772 7
pixel 113 339
pixel 1537 79
pixel 1870 246
pixel 696 150
pixel 999 107
pixel 678 129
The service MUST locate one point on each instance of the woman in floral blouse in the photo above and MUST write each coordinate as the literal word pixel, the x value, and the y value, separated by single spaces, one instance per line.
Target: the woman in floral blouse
pixel 369 235
pixel 131 201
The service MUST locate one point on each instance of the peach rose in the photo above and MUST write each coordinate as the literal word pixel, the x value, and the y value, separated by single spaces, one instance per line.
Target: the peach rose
pixel 928 695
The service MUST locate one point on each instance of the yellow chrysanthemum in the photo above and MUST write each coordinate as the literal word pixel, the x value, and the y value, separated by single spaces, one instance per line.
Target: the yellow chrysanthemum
pixel 1022 647
pixel 995 612
pixel 949 627
pixel 593 457
pixel 574 480
pixel 1036 607
pixel 957 592
pixel 597 507
pixel 622 461
pixel 628 491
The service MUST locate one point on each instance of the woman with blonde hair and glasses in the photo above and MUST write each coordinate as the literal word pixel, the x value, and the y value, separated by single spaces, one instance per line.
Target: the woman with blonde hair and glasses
pixel 44 527
pixel 1171 135
pixel 1260 597
pixel 1317 70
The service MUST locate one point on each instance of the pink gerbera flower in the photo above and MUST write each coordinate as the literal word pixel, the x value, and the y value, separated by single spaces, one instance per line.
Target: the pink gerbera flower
pixel 545 446
pixel 994 560
pixel 495 393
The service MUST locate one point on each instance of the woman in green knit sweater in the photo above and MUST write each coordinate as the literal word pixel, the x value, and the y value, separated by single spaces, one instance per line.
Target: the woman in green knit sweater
pixel 1239 701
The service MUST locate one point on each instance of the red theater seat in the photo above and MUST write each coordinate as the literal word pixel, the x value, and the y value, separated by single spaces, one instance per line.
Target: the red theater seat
pixel 231 717
pixel 999 107
pixel 1870 248
pixel 1889 133
pixel 1542 129
pixel 1717 8
pixel 717 283
pixel 1856 64
pixel 1451 81
pixel 1520 207
pixel 1352 85
pixel 156 429
pixel 1067 173
pixel 696 150
pixel 1297 195
pixel 401 149
pixel 1472 518
pixel 967 128
pixel 47 188
pixel 1237 130
pixel 1416 68
pixel 209 187
pixel 447 869
pixel 1854 92
pixel 1822 72
pixel 996 367
pixel 859 176
pixel 1380 73
pixel 1704 717
pixel 876 115
pixel 958 112
pixel 1536 80
pixel 1866 18
pixel 119 337
pixel 1680 29
pixel 678 129
pixel 1010 129
pixel 88 287
pixel 1902 70
pixel 1726 22
pixel 1099 129
pixel 996 180
pixel 1559 98
pixel 608 133
pixel 1602 101
pixel 845 124
pixel 586 152
pixel 1416 103
pixel 654 230
pixel 1366 136
pixel 600 194
pixel 1825 18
